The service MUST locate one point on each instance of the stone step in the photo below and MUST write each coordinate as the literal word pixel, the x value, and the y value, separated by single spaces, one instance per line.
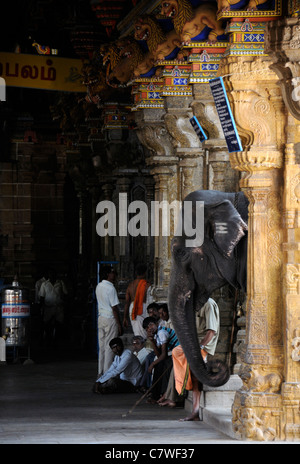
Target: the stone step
pixel 220 419
pixel 216 404
pixel 222 397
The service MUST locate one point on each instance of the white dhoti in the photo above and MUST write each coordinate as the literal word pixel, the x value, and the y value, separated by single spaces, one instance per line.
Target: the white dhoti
pixel 137 323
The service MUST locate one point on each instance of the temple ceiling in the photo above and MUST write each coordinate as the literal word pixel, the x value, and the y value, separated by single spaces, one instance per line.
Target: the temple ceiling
pixel 138 52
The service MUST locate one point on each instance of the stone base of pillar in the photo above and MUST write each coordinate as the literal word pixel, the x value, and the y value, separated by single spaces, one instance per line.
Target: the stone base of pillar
pixel 256 416
pixel 290 415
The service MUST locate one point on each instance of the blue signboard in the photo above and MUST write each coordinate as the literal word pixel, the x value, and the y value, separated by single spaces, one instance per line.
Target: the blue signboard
pixel 225 114
pixel 198 129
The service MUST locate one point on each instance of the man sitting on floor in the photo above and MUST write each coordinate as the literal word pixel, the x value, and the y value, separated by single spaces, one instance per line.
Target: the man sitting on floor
pixel 163 340
pixel 124 373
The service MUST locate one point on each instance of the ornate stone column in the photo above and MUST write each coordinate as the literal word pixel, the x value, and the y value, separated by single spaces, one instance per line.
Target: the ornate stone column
pixel 123 184
pixel 291 386
pixel 163 163
pixel 291 289
pixel 191 165
pixel 259 112
pixel 164 185
pixel 283 44
pixel 186 143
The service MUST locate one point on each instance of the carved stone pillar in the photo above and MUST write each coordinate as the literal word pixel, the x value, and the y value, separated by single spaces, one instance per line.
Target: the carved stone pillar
pixel 186 143
pixel 163 164
pixel 283 44
pixel 291 290
pixel 123 185
pixel 163 176
pixel 259 113
pixel 191 165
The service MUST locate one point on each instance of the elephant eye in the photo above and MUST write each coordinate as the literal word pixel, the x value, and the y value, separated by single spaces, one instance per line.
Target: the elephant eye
pixel 209 232
pixel 179 251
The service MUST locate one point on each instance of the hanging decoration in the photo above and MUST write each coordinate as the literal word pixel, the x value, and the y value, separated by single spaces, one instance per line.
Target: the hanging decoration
pixel 44 49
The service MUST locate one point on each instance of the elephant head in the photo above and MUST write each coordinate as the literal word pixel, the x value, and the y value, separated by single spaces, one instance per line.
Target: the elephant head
pixel 199 270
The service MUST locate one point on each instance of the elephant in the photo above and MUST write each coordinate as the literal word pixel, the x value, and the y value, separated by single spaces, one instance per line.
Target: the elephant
pixel 197 271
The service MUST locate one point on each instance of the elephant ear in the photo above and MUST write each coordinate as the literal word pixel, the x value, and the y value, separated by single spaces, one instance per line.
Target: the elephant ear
pixel 180 253
pixel 182 274
pixel 224 226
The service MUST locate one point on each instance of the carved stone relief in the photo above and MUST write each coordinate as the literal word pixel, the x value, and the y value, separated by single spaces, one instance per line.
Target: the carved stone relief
pixel 296 345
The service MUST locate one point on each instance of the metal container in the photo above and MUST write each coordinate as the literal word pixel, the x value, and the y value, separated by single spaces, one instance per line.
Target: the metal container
pixel 15 312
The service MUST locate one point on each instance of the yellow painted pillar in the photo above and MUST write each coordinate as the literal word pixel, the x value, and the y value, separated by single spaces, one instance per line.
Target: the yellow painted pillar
pixel 260 115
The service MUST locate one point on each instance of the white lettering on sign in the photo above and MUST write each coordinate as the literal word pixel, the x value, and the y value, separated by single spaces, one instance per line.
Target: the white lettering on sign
pixel 15 310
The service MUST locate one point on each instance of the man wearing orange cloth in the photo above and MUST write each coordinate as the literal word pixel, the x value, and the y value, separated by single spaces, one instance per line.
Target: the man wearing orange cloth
pixel 136 301
pixel 208 329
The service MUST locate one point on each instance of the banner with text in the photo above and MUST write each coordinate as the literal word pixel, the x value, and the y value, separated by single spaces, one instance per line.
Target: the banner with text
pixel 41 72
pixel 225 114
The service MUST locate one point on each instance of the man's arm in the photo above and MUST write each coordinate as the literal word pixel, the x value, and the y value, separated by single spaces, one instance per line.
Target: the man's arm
pixel 208 336
pixel 161 351
pixel 115 310
pixel 161 357
pixel 156 349
pixel 107 374
pixel 212 322
pixel 126 308
pixel 114 304
pixel 42 295
pixel 116 369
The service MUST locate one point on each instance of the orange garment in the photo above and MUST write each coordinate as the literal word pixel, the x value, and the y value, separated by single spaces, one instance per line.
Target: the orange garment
pixel 139 298
pixel 184 380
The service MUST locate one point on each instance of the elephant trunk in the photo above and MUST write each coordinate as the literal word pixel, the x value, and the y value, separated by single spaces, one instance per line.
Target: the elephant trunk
pixel 182 314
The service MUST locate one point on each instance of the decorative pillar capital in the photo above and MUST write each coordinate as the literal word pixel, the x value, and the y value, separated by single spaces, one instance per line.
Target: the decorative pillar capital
pixel 153 135
pixel 256 163
pixel 204 109
pixel 256 101
pixel 177 121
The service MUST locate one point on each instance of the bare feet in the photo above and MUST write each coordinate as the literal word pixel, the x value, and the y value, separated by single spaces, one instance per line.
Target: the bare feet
pixel 193 417
pixel 151 401
pixel 169 403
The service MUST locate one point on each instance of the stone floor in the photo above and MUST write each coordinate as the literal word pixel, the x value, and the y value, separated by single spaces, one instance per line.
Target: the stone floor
pixel 50 401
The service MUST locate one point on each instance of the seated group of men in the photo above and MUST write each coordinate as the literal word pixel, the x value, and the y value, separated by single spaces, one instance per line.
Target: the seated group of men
pixel 159 366
pixel 132 370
